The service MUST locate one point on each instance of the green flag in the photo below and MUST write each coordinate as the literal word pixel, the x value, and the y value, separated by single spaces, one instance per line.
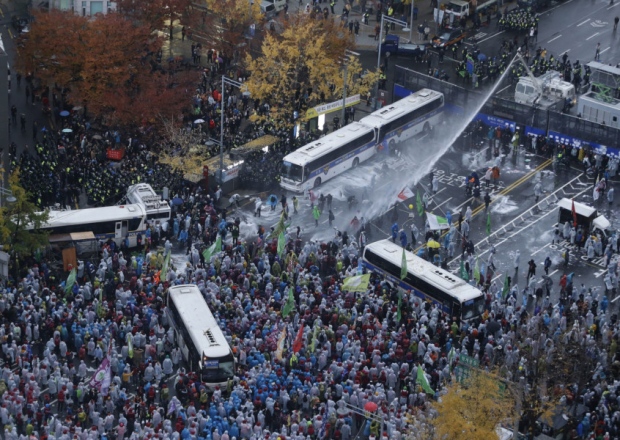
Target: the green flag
pixel 400 304
pixel 281 243
pixel 419 204
pixel 357 283
pixel 100 303
pixel 489 224
pixel 403 266
pixel 451 357
pixel 477 272
pixel 506 287
pixel 464 273
pixel 215 247
pixel 164 269
pixel 421 379
pixel 130 345
pixel 279 227
pixel 315 334
pixel 290 304
pixel 70 280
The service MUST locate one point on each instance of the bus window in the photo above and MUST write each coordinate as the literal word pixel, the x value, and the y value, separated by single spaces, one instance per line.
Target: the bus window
pixel 292 171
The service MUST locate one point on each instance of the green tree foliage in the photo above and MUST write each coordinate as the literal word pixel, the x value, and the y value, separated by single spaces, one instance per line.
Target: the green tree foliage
pixel 15 218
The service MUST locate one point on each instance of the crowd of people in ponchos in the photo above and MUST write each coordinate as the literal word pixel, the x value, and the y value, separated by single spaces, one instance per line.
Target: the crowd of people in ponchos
pixel 355 347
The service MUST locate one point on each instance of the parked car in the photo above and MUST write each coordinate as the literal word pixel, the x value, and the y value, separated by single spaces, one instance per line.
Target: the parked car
pixel 393 46
pixel 448 38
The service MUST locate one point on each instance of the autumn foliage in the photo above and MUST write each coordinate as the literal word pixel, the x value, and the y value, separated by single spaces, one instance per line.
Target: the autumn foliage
pixel 107 64
pixel 473 410
pixel 302 67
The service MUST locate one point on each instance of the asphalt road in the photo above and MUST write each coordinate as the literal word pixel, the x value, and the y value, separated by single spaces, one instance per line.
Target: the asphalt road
pixel 518 223
pixel 17 94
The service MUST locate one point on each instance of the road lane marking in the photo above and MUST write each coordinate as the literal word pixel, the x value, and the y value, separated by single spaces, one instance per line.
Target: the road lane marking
pixel 605 50
pixel 592 36
pixel 542 248
pixel 492 36
pixel 553 39
pixel 583 22
pixel 444 202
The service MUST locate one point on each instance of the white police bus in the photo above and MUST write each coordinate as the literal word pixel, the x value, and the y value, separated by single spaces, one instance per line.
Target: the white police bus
pixel 327 157
pixel 405 118
pixel 199 337
pixel 427 281
pixel 115 222
pixel 347 147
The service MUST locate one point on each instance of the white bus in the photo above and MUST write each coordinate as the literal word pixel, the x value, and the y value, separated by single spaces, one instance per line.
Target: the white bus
pixel 429 282
pixel 327 157
pixel 116 222
pixel 405 118
pixel 156 208
pixel 199 337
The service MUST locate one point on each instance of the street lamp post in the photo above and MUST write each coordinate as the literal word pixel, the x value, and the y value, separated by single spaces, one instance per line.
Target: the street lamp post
pixel 222 108
pixel 347 56
pixel 411 22
pixel 384 18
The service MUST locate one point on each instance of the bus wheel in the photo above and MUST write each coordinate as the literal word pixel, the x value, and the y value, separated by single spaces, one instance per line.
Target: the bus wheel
pixel 317 182
pixel 356 162
pixel 427 128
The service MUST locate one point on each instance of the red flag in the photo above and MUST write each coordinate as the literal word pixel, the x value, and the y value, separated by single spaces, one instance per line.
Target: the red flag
pixel 298 340
pixel 574 215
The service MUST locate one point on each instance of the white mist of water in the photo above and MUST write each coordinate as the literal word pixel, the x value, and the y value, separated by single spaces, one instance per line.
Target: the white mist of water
pixel 424 154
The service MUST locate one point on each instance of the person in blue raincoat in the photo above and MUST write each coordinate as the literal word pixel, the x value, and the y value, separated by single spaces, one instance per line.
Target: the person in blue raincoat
pixel 394 232
pixel 403 238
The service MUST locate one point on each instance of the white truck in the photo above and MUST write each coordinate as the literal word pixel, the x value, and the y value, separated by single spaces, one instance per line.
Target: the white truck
pixel 585 216
pixel 545 91
pixel 460 8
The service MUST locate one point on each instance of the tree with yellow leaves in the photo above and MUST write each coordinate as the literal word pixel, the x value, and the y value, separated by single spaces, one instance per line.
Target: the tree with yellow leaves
pixel 302 67
pixel 474 409
pixel 15 217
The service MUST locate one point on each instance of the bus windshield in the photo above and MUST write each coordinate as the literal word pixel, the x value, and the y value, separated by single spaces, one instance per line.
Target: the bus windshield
pixel 218 370
pixel 292 171
pixel 472 308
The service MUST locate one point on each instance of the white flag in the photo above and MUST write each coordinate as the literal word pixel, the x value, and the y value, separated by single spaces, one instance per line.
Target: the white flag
pixel 405 194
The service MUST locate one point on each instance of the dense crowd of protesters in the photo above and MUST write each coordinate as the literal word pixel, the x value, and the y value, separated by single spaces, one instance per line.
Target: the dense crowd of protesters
pixel 356 347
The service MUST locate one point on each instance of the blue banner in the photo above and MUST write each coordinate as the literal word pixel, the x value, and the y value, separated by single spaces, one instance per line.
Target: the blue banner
pixel 401 92
pixel 535 130
pixel 495 121
pixel 579 143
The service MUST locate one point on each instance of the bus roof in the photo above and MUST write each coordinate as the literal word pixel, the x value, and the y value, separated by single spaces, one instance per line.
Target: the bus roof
pixel 327 143
pixel 145 194
pixel 421 268
pixel 94 215
pixel 393 111
pixel 199 321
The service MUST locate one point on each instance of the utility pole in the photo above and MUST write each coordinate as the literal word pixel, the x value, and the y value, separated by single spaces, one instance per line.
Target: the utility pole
pixel 222 109
pixel 345 62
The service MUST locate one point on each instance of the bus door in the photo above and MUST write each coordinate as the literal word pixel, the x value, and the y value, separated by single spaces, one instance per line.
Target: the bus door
pixel 121 229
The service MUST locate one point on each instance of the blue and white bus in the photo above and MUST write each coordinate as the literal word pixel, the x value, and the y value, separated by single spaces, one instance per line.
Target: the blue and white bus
pixel 406 118
pixel 347 147
pixel 115 222
pixel 197 333
pixel 327 157
pixel 427 281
